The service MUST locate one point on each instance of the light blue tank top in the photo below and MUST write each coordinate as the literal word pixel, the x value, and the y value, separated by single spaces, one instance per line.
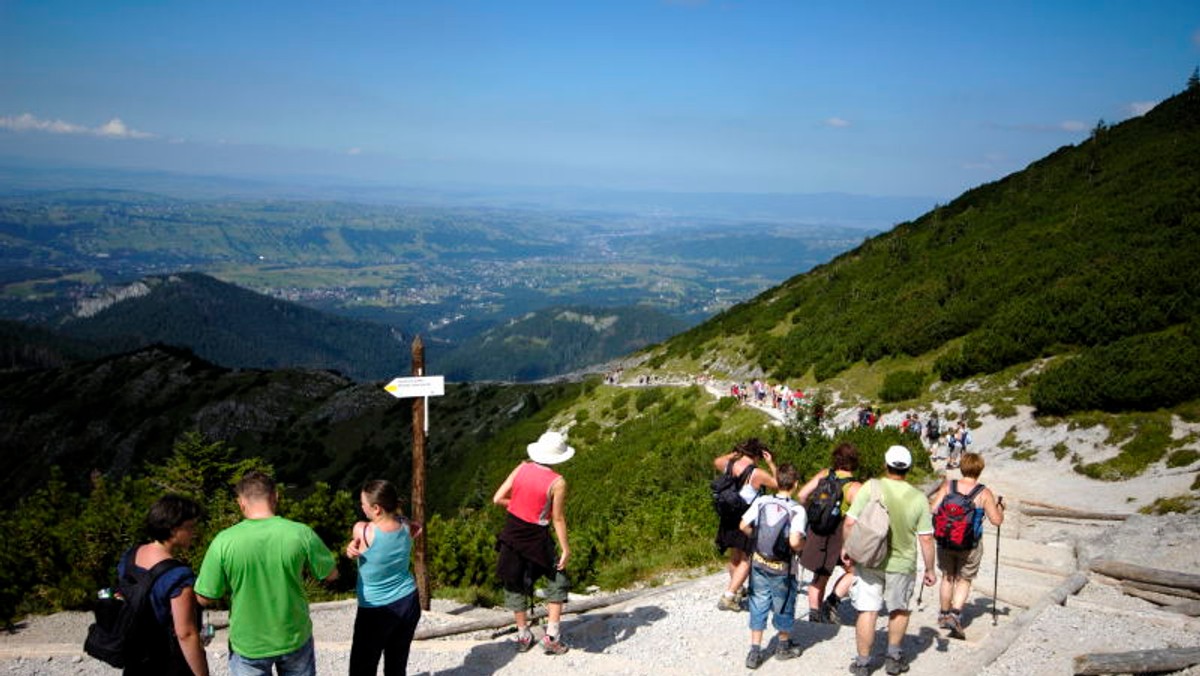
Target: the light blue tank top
pixel 384 575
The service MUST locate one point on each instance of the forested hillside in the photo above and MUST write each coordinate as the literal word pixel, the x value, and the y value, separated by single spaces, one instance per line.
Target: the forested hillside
pixel 556 341
pixel 238 328
pixel 1093 250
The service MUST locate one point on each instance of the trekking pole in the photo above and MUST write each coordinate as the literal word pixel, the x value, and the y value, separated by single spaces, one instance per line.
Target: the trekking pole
pixel 996 578
pixel 920 593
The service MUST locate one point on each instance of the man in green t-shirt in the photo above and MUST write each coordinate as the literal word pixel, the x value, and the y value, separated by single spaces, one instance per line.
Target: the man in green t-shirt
pixel 909 524
pixel 260 563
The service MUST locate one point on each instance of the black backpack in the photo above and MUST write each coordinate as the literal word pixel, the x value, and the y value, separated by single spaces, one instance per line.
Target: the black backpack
pixel 958 524
pixel 825 504
pixel 726 489
pixel 126 633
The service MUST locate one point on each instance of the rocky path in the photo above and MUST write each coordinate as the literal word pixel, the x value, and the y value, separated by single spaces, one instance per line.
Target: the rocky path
pixel 677 629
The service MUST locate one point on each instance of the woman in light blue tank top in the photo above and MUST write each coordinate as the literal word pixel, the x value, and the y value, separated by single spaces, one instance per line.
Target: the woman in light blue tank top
pixel 388 607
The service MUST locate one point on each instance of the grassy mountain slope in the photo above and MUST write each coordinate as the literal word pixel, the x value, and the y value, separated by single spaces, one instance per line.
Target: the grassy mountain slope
pixel 1091 245
pixel 238 328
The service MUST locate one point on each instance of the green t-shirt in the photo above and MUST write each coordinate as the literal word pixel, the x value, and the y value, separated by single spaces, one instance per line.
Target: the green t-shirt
pixel 908 512
pixel 260 563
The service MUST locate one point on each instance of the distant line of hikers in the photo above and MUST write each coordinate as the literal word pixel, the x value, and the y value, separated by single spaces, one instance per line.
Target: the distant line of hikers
pixel 872 530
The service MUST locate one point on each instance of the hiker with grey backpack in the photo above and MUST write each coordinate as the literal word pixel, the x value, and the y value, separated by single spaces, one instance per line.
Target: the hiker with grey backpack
pixel 959 507
pixel 775 524
pixel 886 524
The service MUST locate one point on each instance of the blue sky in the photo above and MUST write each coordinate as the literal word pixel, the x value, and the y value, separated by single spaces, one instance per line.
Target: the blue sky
pixel 874 98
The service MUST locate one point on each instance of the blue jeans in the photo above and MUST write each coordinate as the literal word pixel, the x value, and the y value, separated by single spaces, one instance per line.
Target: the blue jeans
pixel 301 662
pixel 772 594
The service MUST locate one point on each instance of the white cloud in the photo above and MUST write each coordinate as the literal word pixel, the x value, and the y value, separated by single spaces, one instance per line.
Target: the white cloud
pixel 1140 108
pixel 1072 126
pixel 114 128
pixel 354 151
pixel 837 122
pixel 27 122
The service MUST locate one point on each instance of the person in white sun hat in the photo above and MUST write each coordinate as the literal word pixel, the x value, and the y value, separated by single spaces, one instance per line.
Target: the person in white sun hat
pixel 535 497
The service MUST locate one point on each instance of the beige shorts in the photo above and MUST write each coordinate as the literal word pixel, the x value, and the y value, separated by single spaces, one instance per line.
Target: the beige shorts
pixel 874 588
pixel 963 564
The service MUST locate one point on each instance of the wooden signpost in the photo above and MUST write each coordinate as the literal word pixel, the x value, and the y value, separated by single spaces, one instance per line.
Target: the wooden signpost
pixel 419 388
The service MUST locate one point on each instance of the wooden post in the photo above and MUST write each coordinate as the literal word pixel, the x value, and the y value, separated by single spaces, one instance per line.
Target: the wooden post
pixel 418 477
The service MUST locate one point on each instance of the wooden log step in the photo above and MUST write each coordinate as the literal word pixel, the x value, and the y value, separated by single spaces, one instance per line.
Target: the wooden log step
pixel 1130 571
pixel 1137 661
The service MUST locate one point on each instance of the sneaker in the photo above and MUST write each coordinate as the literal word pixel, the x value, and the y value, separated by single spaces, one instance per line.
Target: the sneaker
pixel 787 651
pixel 857 669
pixel 895 665
pixel 756 657
pixel 816 617
pixel 554 646
pixel 943 622
pixel 728 603
pixel 524 643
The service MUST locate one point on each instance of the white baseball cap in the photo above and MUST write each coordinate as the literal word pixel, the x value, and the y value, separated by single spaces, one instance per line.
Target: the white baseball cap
pixel 898 457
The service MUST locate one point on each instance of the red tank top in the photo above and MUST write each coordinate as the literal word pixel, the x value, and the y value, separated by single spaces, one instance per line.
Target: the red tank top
pixel 530 499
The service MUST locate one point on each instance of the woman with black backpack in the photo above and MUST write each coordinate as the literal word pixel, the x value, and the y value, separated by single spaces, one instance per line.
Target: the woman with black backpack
pixel 741 462
pixel 179 647
pixel 826 499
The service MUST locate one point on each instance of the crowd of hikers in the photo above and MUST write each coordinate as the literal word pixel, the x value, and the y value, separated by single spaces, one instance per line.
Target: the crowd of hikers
pixel 778 533
pixel 774 527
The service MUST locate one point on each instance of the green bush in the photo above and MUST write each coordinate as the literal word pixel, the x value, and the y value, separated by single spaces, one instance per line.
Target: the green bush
pixel 647 397
pixel 901 385
pixel 1142 373
pixel 1183 458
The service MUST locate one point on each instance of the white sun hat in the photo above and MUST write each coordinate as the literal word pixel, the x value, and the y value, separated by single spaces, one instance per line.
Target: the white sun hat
pixel 550 449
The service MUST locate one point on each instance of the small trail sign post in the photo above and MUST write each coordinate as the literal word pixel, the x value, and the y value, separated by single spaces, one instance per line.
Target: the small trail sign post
pixel 419 388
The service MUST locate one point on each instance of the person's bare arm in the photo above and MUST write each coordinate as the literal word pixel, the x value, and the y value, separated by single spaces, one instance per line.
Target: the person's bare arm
pixel 926 540
pixel 992 508
pixel 720 463
pixel 806 491
pixel 183 616
pixel 939 495
pixel 558 516
pixel 504 493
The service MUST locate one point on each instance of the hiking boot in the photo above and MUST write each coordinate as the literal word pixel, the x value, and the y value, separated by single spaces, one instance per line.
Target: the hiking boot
pixel 787 651
pixel 756 657
pixel 829 611
pixel 895 665
pixel 554 646
pixel 943 621
pixel 857 669
pixel 729 603
pixel 524 643
pixel 816 617
pixel 954 625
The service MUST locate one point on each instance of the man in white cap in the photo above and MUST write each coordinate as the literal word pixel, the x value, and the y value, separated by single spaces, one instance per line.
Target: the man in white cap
pixel 910 524
pixel 535 497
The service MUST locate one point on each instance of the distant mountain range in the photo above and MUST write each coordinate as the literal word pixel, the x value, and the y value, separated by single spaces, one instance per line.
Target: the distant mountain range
pixel 18 175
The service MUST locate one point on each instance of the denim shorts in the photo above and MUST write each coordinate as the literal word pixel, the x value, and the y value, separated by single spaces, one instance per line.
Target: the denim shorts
pixel 300 662
pixel 774 594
